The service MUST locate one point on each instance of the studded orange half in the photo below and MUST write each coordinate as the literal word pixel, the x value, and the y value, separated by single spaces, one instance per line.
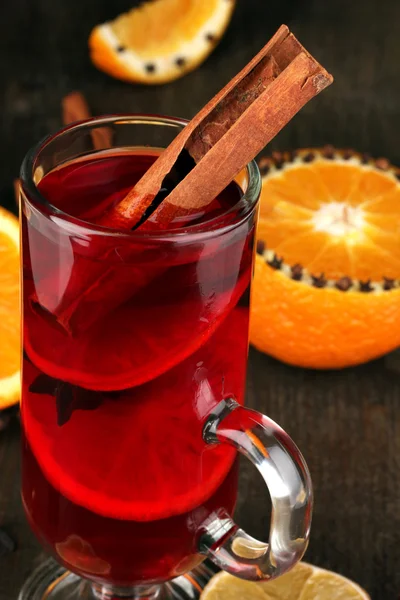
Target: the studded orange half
pixel 327 278
pixel 160 40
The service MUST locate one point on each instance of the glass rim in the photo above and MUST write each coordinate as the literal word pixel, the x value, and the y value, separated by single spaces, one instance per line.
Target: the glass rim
pixel 250 196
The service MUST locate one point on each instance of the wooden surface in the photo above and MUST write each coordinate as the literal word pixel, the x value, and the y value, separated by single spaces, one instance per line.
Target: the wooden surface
pixel 346 423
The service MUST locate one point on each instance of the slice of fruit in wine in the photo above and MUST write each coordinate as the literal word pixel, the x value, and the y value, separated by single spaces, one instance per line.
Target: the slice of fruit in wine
pixel 140 454
pixel 138 341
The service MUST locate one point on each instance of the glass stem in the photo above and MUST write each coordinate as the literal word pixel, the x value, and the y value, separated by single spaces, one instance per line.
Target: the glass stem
pixel 141 592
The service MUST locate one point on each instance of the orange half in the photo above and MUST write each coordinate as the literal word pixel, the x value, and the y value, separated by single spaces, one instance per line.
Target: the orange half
pixel 327 290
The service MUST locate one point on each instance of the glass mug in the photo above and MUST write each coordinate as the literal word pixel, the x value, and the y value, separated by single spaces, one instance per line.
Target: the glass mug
pixel 135 351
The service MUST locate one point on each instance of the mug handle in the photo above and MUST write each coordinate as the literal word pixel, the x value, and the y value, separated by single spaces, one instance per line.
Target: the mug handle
pixel 288 480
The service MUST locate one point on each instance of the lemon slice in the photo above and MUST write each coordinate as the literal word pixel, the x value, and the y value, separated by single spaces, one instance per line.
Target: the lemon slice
pixel 160 40
pixel 303 582
pixel 9 310
pixel 326 584
pixel 289 585
pixel 226 587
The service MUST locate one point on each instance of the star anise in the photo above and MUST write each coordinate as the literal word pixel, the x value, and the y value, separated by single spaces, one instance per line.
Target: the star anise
pixel 68 397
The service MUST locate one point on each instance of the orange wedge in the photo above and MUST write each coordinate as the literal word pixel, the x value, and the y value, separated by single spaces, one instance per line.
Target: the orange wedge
pixel 327 290
pixel 9 310
pixel 160 40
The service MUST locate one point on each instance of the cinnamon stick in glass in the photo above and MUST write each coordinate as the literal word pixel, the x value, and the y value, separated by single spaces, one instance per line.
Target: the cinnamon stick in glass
pixel 221 139
pixel 227 133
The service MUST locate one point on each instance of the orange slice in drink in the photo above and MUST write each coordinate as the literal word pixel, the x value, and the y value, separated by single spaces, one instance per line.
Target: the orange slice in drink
pixel 139 454
pixel 327 290
pixel 131 346
pixel 161 40
pixel 10 385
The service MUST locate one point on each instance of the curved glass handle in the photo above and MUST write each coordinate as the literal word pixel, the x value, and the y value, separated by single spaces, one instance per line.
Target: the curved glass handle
pixel 288 480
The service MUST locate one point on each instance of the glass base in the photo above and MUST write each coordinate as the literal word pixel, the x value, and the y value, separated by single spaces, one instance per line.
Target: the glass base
pixel 52 582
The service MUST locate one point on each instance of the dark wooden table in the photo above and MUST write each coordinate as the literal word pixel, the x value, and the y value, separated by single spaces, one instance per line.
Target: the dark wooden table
pixel 347 423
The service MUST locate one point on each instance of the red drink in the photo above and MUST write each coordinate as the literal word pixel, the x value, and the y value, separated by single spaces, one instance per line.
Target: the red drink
pixel 117 479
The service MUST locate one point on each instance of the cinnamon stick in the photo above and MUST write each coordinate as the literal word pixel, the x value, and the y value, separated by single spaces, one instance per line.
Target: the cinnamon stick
pixel 74 107
pixel 221 139
pixel 227 133
pixel 16 184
